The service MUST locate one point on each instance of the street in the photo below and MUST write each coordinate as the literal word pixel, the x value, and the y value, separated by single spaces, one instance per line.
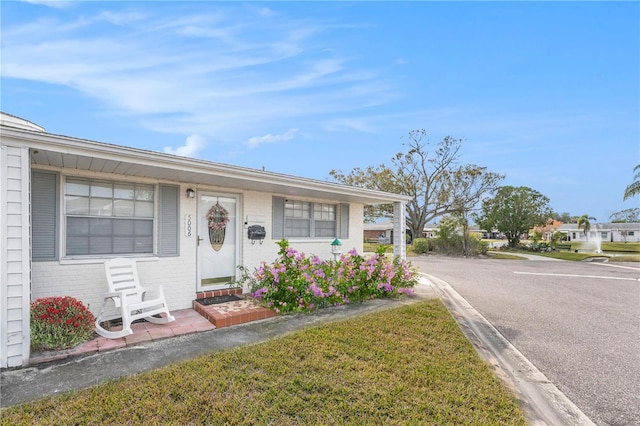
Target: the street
pixel 577 322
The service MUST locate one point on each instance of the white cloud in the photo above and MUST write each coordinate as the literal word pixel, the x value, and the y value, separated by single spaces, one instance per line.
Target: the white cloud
pixel 222 72
pixel 269 138
pixel 58 4
pixel 193 145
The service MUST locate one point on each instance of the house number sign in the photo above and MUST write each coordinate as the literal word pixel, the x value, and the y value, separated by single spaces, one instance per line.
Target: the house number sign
pixel 187 225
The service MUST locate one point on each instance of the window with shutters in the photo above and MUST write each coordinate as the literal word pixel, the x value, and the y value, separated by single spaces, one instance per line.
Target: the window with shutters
pixel 107 217
pixel 306 219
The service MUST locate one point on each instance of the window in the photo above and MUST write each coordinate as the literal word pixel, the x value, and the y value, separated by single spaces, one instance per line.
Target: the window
pixel 324 216
pixel 297 219
pixel 105 217
pixel 604 234
pixel 304 219
pixel 300 222
pixel 630 233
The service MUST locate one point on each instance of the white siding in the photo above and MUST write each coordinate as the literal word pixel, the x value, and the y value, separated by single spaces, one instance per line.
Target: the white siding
pixel 14 256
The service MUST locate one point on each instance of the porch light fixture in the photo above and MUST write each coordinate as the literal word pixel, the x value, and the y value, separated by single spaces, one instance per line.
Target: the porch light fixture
pixel 191 193
pixel 336 249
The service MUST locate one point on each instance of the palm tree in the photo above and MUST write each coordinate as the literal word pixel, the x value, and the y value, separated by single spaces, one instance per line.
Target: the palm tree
pixel 634 188
pixel 583 222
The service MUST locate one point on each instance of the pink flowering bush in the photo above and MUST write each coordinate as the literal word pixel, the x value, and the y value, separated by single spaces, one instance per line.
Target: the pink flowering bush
pixel 295 282
pixel 59 323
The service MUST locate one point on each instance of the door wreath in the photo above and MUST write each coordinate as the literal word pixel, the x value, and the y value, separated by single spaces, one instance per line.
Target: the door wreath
pixel 217 219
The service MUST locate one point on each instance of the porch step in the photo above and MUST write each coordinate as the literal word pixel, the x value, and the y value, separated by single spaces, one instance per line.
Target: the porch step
pixel 232 313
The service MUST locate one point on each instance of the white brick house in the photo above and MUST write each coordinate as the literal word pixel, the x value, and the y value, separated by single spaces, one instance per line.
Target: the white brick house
pixel 68 204
pixel 609 232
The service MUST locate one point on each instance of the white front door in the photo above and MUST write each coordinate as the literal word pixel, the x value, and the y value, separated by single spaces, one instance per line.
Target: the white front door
pixel 218 248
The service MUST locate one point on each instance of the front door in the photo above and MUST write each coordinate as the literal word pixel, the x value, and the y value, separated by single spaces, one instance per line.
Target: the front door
pixel 217 240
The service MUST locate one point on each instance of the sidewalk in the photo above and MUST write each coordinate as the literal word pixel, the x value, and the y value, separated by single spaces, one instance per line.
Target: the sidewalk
pixel 88 369
pixel 187 321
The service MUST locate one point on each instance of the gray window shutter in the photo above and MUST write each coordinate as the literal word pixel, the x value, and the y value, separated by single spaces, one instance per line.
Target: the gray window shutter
pixel 344 220
pixel 44 215
pixel 169 221
pixel 277 226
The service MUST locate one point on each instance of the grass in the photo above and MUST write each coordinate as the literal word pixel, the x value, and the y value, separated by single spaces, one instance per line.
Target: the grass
pixel 621 247
pixel 497 255
pixel 635 258
pixel 409 365
pixel 372 247
pixel 564 255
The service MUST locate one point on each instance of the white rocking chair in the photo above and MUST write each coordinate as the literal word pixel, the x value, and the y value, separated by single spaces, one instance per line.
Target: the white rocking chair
pixel 127 295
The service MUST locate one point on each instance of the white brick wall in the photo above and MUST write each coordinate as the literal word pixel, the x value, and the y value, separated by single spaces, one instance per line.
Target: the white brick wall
pixel 14 256
pixel 86 281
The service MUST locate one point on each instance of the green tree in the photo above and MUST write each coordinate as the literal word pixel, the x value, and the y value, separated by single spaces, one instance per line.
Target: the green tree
pixel 514 211
pixel 626 216
pixel 430 176
pixel 585 224
pixel 634 188
pixel 564 217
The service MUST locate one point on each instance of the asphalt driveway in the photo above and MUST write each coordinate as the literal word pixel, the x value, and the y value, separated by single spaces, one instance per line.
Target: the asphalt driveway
pixel 577 322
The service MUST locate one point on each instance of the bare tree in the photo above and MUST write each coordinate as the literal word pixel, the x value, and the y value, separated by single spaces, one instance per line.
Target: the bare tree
pixel 430 176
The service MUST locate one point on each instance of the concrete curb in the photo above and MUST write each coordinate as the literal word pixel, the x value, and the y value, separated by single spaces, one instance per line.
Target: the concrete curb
pixel 543 402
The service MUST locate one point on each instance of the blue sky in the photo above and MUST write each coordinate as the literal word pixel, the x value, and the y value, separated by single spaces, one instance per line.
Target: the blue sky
pixel 547 93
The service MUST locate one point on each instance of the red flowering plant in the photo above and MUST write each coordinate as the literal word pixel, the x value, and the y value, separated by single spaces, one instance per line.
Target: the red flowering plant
pixel 59 323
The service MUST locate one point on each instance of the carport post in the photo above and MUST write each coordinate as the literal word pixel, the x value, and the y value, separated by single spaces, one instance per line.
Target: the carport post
pixel 399 230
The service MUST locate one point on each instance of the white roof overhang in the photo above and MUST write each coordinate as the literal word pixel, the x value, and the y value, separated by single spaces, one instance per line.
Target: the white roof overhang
pixel 47 149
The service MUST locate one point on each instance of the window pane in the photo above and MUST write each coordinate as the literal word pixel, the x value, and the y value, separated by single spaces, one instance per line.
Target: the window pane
pixel 296 228
pixel 100 245
pixel 123 245
pixel 101 227
pixel 77 205
pixel 123 227
pixel 143 228
pixel 325 229
pixel 324 211
pixel 77 226
pixel 77 245
pixel 76 187
pixel 144 209
pixel 100 206
pixel 144 192
pixel 143 245
pixel 123 208
pixel 297 209
pixel 124 191
pixel 101 189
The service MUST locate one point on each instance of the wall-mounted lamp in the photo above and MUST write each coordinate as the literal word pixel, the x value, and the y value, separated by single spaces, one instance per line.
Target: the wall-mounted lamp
pixel 191 193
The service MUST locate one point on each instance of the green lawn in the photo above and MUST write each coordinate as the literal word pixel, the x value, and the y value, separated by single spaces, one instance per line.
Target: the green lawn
pixel 565 255
pixel 499 255
pixel 408 365
pixel 372 247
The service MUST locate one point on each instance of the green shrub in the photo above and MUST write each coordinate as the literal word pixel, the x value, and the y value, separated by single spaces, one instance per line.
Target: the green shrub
pixel 59 323
pixel 421 245
pixel 295 282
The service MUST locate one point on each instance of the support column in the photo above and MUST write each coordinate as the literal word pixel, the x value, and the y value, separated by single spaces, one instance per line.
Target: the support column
pixel 399 230
pixel 15 262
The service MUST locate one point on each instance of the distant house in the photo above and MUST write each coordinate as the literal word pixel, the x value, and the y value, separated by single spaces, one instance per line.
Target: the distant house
pixel 611 232
pixel 382 232
pixel 68 204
